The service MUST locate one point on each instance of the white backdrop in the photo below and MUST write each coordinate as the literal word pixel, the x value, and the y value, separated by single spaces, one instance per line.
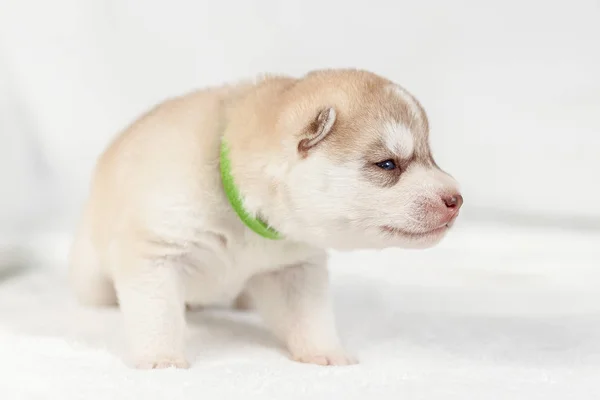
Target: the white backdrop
pixel 512 87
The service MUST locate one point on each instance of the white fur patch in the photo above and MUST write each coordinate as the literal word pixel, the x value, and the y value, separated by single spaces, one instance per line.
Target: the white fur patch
pixel 399 139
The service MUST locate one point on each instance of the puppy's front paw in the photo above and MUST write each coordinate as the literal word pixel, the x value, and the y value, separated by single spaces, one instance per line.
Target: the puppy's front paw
pixel 161 363
pixel 326 358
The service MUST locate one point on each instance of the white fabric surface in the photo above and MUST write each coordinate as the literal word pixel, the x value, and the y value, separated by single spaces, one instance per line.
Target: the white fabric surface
pixel 489 314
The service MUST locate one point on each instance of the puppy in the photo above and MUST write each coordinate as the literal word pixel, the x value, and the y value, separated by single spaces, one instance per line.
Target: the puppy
pixel 232 194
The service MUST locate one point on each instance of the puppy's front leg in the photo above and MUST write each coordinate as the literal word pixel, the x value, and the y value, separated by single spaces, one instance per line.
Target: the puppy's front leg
pixel 151 297
pixel 295 304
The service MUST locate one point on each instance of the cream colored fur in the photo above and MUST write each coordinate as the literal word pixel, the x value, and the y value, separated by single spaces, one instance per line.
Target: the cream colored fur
pixel 158 233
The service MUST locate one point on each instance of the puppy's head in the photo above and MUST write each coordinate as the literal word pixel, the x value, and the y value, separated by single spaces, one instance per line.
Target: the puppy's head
pixel 358 171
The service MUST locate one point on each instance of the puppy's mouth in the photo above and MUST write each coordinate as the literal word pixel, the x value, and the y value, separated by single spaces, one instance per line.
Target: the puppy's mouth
pixel 416 235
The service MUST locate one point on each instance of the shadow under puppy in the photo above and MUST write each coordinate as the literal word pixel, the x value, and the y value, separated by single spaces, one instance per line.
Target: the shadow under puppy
pixel 235 192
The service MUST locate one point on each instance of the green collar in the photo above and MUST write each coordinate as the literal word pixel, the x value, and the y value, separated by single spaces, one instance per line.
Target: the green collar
pixel 235 199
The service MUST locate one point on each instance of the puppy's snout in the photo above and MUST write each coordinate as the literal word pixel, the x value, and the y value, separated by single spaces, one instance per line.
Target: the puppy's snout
pixel 453 202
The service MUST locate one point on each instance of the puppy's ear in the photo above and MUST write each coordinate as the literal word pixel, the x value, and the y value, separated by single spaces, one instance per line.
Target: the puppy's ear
pixel 318 130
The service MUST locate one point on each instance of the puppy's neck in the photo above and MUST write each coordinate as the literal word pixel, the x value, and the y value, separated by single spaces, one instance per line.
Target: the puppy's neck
pixel 236 200
pixel 256 161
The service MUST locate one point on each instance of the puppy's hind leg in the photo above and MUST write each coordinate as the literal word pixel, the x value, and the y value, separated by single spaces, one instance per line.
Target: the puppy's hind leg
pixel 152 299
pixel 90 284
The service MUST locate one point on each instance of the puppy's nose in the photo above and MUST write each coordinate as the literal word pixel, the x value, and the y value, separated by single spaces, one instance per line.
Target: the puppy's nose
pixel 454 201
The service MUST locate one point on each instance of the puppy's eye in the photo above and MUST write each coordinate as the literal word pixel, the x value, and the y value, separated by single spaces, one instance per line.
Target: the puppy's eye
pixel 388 165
